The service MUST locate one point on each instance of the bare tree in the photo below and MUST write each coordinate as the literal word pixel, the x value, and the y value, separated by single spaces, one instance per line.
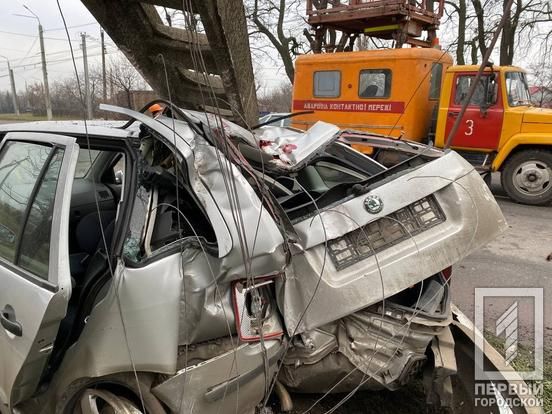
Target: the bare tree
pixel 522 28
pixel 541 80
pixel 458 16
pixel 481 26
pixel 278 100
pixel 125 78
pixel 276 21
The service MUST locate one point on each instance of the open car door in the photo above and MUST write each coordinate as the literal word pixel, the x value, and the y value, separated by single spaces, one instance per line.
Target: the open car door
pixel 36 177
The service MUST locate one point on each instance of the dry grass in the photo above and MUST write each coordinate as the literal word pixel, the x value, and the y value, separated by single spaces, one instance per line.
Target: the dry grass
pixel 525 362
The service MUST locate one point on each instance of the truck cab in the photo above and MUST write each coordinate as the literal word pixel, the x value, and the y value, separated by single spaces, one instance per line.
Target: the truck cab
pixel 500 130
pixel 416 94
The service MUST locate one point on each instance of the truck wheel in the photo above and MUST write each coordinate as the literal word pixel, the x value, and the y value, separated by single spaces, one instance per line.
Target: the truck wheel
pixel 527 177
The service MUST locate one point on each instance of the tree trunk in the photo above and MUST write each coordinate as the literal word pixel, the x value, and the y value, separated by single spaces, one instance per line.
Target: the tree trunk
pixel 461 32
pixel 288 63
pixel 508 39
pixel 480 26
pixel 129 99
pixel 473 49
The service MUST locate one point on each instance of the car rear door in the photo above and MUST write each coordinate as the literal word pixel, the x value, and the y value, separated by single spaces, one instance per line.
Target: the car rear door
pixel 36 176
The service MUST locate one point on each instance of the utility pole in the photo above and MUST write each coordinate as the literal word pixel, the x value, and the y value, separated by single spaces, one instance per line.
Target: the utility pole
pixel 27 102
pixel 14 93
pixel 45 74
pixel 111 87
pixel 12 83
pixel 43 58
pixel 104 86
pixel 87 94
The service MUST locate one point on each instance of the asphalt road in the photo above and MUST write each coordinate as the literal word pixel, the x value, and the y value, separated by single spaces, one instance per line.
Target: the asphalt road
pixel 516 259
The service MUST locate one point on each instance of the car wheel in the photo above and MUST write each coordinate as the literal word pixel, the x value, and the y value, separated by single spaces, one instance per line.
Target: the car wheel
pixel 527 177
pixel 115 394
pixel 95 401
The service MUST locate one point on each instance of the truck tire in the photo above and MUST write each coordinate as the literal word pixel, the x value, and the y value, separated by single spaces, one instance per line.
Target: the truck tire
pixel 527 177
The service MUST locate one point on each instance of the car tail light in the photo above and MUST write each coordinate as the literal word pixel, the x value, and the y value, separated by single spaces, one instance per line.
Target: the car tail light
pixel 447 273
pixel 256 311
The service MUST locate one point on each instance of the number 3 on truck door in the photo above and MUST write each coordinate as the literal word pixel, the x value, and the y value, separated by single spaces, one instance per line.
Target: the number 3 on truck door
pixel 481 124
pixel 469 124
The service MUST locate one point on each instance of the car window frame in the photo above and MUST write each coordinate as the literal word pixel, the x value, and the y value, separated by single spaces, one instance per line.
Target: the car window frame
pixel 28 209
pixel 30 201
pixel 68 144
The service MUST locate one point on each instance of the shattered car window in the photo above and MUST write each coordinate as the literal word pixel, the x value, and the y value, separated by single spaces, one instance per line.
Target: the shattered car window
pixel 166 209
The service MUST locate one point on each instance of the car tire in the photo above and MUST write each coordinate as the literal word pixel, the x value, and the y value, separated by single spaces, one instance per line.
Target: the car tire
pixel 527 177
pixel 118 393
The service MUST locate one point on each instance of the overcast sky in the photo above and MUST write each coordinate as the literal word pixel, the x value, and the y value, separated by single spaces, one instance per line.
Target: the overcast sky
pixel 19 39
pixel 19 43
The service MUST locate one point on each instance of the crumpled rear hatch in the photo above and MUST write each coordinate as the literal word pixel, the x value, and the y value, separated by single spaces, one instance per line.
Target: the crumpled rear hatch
pixel 384 238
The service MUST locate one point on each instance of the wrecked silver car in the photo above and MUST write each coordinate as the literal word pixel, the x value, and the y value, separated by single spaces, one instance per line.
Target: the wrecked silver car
pixel 184 264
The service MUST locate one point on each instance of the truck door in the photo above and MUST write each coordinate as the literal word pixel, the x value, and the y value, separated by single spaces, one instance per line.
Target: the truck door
pixel 36 176
pixel 481 124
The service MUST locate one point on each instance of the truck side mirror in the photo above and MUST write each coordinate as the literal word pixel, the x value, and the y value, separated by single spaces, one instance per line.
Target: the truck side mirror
pixel 491 92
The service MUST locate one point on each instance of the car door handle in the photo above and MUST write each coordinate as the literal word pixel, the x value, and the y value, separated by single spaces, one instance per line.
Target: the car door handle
pixel 8 321
pixel 453 114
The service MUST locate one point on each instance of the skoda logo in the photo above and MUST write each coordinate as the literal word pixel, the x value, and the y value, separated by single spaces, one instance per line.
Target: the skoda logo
pixel 373 204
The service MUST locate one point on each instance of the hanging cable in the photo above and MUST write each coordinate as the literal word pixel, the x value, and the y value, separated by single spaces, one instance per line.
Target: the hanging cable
pixel 102 229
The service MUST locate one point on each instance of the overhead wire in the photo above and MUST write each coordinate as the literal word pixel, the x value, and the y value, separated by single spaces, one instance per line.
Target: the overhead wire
pixel 235 204
pixel 117 281
pixel 224 172
pixel 30 35
pixel 56 61
pixel 299 325
pixel 28 52
pixel 226 143
pixel 72 27
pixel 416 308
pixel 310 301
pixel 226 166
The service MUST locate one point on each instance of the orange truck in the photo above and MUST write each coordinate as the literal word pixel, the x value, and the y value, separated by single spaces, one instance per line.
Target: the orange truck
pixel 417 94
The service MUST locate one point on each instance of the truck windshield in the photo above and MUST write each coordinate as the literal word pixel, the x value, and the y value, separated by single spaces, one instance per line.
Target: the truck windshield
pixel 518 91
